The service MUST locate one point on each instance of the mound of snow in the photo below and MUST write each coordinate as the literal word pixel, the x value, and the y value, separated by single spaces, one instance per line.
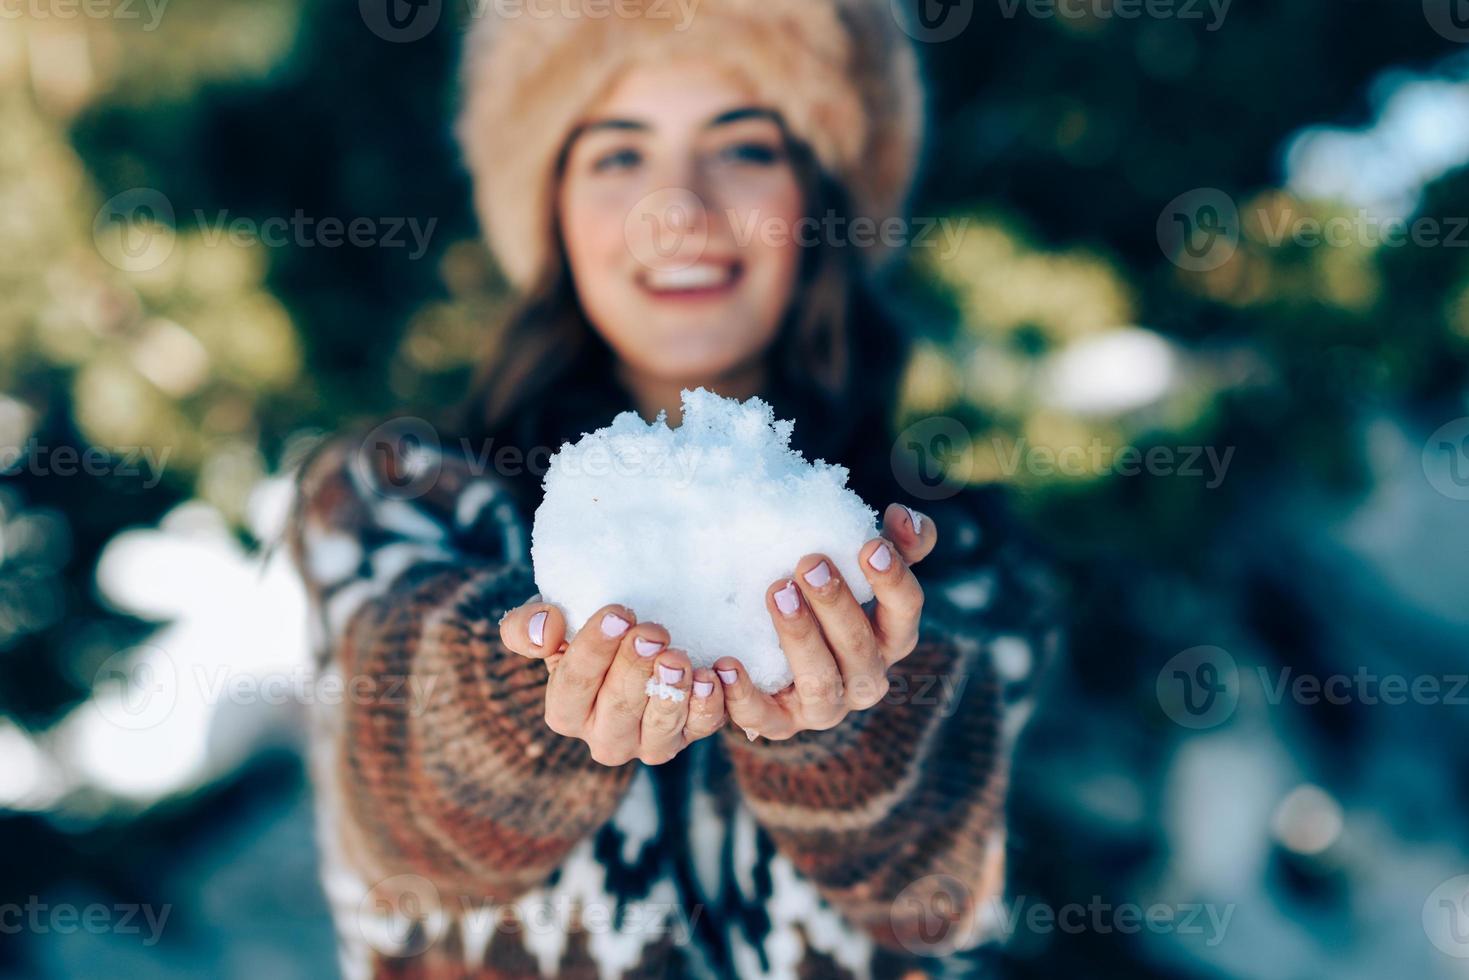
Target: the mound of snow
pixel 688 527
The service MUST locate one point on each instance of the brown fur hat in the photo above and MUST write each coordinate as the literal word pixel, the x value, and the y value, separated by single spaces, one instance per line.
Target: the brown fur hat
pixel 842 74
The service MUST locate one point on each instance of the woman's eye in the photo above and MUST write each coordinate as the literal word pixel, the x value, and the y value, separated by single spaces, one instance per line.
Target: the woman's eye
pixel 616 160
pixel 762 154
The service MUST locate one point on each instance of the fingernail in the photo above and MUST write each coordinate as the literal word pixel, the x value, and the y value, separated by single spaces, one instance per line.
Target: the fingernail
pixel 702 689
pixel 881 559
pixel 788 600
pixel 669 675
pixel 614 625
pixel 915 518
pixel 646 647
pixel 818 576
pixel 727 677
pixel 537 628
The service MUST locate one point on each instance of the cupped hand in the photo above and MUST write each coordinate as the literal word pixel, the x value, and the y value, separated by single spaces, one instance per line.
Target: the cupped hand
pixel 598 687
pixel 839 653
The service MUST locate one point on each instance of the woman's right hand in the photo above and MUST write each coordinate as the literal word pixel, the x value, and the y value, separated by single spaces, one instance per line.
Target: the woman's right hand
pixel 597 690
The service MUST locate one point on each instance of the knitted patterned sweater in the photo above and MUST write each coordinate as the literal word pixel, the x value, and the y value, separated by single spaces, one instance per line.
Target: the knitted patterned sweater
pixel 461 837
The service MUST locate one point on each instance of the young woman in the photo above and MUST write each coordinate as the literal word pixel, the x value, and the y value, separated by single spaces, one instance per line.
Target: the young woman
pixel 670 187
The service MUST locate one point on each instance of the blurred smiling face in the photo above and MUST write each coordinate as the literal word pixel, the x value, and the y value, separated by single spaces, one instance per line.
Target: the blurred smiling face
pixel 677 207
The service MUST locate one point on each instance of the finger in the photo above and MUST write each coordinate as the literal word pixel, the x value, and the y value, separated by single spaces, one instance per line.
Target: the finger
pixel 706 706
pixel 748 707
pixel 847 629
pixel 667 711
pixel 617 718
pixel 533 630
pixel 816 692
pixel 572 691
pixel 913 533
pixel 899 606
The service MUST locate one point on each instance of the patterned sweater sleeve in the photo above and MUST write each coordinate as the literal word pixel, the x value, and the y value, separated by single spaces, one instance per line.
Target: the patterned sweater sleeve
pixel 434 769
pixel 897 814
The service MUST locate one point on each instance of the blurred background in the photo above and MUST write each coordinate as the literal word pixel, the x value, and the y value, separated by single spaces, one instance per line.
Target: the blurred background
pixel 1204 303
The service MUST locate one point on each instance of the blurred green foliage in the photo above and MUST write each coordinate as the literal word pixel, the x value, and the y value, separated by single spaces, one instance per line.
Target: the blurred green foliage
pixel 1057 143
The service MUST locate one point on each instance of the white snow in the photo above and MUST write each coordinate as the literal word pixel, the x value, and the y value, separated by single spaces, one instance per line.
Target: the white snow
pixel 664 692
pixel 1111 373
pixel 230 673
pixel 688 527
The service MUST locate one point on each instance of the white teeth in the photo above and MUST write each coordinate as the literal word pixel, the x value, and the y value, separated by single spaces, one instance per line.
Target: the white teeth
pixel 694 277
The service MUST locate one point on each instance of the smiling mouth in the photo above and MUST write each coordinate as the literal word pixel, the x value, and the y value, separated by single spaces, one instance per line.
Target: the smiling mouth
pixel 701 280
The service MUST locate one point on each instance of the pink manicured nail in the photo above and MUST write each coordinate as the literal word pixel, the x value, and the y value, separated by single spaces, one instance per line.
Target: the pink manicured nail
pixel 537 628
pixel 645 647
pixel 727 677
pixel 916 519
pixel 669 675
pixel 702 689
pixel 788 600
pixel 614 625
pixel 881 559
pixel 818 576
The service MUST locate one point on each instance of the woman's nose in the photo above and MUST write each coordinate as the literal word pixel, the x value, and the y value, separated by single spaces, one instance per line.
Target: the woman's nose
pixel 669 227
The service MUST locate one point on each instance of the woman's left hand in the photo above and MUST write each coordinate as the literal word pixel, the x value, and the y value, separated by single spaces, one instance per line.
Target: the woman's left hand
pixel 839 655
